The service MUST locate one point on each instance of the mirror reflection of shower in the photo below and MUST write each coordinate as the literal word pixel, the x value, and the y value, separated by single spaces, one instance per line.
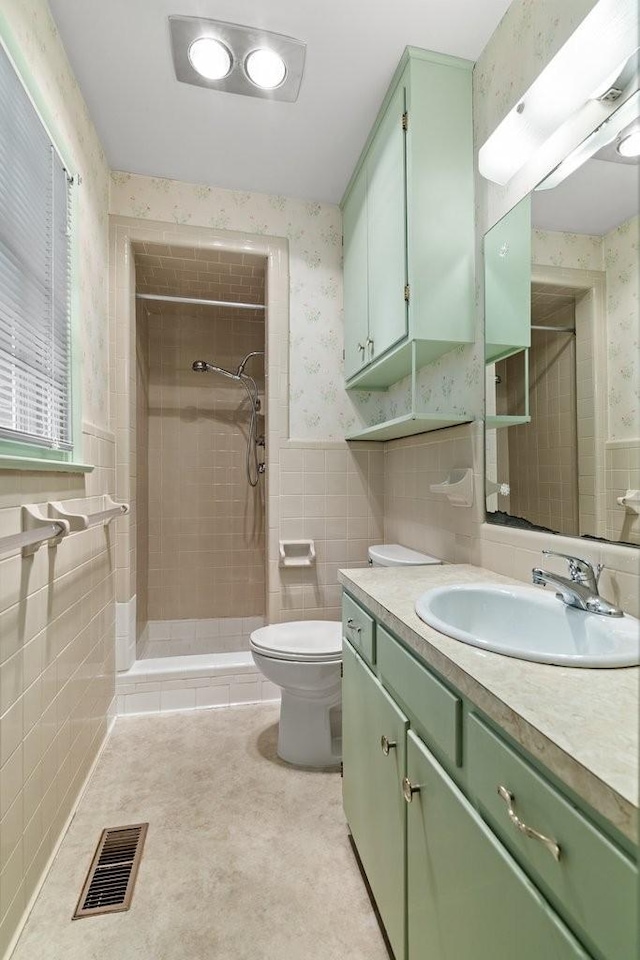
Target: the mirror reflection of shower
pixel 255 466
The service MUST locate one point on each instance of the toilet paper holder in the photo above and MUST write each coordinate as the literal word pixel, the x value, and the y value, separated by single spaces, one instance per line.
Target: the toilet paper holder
pixel 297 553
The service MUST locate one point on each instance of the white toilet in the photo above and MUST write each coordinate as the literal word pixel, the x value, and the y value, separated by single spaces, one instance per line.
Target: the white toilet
pixel 395 555
pixel 303 658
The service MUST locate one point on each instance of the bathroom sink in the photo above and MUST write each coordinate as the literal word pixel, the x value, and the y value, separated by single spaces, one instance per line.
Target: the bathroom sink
pixel 531 624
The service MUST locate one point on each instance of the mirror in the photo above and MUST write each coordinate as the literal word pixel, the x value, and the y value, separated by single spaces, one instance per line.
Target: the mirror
pixel 562 351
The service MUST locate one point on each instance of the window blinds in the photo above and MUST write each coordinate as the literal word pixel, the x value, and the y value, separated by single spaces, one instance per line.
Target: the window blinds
pixel 35 361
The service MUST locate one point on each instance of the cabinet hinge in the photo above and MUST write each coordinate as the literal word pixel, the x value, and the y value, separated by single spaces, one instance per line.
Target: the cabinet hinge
pixel 407 292
pixel 341 769
pixel 341 671
pixel 405 121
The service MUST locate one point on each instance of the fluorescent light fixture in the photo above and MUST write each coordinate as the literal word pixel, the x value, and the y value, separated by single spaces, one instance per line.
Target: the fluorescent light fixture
pixel 629 146
pixel 265 68
pixel 235 59
pixel 210 58
pixel 580 72
pixel 604 134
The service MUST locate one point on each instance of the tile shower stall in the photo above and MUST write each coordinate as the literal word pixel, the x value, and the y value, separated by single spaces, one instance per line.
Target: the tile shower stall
pixel 200 531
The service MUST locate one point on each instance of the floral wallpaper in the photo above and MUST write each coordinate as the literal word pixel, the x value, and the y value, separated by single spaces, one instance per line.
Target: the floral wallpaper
pixel 574 250
pixel 622 263
pixel 32 40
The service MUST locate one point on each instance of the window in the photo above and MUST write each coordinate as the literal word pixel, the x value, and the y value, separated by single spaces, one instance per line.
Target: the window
pixel 35 256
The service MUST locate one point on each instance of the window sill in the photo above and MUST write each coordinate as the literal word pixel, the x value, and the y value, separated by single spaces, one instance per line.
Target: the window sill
pixel 26 464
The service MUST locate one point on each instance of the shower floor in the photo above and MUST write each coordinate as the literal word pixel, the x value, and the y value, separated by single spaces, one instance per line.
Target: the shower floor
pixel 175 638
pixel 190 682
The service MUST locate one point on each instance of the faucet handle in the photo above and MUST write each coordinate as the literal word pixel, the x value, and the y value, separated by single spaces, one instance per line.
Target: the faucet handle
pixel 582 571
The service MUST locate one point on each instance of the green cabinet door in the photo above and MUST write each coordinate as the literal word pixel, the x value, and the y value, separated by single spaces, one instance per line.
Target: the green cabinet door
pixel 387 231
pixel 507 284
pixel 372 794
pixel 467 898
pixel 356 291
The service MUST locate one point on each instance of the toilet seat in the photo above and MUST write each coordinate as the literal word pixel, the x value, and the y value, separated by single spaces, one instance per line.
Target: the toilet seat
pixel 304 641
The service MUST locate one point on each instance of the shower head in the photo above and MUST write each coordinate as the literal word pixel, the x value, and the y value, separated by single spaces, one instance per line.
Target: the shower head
pixel 201 366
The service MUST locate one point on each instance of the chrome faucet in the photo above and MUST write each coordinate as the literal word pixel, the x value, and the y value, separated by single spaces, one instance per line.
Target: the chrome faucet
pixel 580 588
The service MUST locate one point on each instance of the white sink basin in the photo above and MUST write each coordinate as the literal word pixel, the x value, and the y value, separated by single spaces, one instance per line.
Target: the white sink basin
pixel 531 624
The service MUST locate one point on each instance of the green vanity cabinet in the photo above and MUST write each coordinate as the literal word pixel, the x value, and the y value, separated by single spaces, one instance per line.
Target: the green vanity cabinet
pixel 437 819
pixel 507 284
pixel 411 195
pixel 467 898
pixel 373 768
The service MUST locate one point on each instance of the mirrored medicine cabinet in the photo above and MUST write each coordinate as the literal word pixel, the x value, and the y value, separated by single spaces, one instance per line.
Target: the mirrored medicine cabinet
pixel 562 353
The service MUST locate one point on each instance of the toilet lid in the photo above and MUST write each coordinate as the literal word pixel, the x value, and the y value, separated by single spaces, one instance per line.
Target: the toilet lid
pixel 303 640
pixel 395 555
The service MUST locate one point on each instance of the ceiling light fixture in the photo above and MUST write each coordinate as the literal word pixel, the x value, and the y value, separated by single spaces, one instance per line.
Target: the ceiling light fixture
pixel 629 146
pixel 236 59
pixel 265 68
pixel 579 77
pixel 210 58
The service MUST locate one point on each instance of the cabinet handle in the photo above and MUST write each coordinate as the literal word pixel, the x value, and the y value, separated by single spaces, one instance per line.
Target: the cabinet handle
pixel 386 745
pixel 408 789
pixel 369 343
pixel 351 625
pixel 362 347
pixel 552 846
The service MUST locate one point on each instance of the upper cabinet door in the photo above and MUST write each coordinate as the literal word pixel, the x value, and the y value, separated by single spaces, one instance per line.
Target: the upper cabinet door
pixel 386 178
pixel 507 280
pixel 356 290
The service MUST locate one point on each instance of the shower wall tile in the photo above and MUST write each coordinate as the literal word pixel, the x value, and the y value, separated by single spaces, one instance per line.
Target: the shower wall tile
pixel 207 557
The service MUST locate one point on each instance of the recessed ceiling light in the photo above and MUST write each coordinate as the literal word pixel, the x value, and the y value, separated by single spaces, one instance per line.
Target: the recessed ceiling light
pixel 265 68
pixel 210 58
pixel 630 146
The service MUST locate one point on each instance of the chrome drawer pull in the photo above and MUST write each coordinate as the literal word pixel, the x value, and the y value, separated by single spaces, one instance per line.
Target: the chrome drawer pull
pixel 408 789
pixel 351 625
pixel 386 745
pixel 551 845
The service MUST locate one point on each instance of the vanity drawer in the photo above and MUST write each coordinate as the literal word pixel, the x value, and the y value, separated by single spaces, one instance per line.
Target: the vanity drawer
pixel 593 884
pixel 434 709
pixel 358 627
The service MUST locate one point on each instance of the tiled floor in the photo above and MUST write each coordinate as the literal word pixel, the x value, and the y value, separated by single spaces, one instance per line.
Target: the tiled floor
pixel 246 858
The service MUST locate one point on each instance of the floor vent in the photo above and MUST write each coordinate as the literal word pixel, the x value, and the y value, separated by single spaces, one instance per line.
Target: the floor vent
pixel 113 871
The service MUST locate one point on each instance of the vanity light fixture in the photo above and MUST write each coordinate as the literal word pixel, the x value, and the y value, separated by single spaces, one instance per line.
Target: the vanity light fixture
pixel 236 59
pixel 606 133
pixel 629 146
pixel 583 74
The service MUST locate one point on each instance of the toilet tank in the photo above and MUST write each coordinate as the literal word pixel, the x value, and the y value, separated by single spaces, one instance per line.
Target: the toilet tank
pixel 395 555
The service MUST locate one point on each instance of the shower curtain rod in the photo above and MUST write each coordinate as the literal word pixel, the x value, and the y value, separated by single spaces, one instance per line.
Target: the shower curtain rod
pixel 197 300
pixel 535 326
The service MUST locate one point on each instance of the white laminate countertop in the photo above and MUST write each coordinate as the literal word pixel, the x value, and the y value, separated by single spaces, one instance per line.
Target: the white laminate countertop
pixel 582 724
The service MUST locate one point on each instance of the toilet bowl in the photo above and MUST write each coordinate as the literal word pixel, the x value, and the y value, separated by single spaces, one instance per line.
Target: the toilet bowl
pixel 303 658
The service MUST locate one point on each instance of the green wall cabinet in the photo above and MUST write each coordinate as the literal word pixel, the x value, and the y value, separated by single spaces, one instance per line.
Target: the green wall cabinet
pixel 409 226
pixel 507 284
pixel 452 876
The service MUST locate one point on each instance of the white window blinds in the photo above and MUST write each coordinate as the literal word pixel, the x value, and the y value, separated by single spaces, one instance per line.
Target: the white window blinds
pixel 35 362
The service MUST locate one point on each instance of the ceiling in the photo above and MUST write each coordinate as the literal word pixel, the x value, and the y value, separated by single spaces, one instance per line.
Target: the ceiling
pixel 594 200
pixel 151 124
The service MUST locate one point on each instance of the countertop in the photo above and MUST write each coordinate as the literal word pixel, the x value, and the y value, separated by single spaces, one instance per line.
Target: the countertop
pixel 582 724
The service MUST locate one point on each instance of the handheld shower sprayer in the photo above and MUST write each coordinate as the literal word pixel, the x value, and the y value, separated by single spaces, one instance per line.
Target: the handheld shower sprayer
pixel 201 366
